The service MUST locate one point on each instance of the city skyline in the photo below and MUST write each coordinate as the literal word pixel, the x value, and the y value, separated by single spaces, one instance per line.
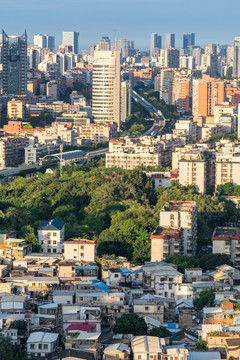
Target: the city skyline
pixel 111 19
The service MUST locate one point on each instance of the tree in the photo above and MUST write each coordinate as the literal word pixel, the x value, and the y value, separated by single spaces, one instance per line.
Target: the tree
pixel 8 351
pixel 182 262
pixel 206 298
pixel 201 345
pixel 211 261
pixel 160 332
pixel 130 324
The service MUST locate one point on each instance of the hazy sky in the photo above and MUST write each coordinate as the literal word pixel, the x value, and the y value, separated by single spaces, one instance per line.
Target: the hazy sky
pixel 213 21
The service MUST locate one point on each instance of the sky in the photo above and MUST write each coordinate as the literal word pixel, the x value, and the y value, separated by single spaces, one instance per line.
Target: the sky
pixel 213 21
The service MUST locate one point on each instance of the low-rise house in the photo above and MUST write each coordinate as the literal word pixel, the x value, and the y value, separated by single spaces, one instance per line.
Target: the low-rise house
pixel 51 235
pixel 40 344
pixel 226 240
pixel 80 250
pixel 3 271
pixel 198 287
pixel 223 273
pixel 12 303
pixel 177 354
pixel 64 297
pixel 116 351
pixel 149 305
pixel 87 272
pixel 204 355
pixel 147 347
pixel 116 276
pixel 193 275
pixel 75 314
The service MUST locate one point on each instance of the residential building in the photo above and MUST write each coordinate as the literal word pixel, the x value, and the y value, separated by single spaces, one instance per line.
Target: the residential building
pixel 207 92
pixel 169 41
pixel 97 132
pixel 106 86
pixel 70 39
pixel 12 151
pixel 186 128
pixel 34 151
pixel 51 235
pixel 117 351
pixel 164 83
pixel 226 240
pixel 129 153
pixel 125 102
pixel 236 57
pixel 162 178
pixel 149 305
pixel 146 347
pixel 169 58
pixel 182 214
pixel 181 93
pixel 80 250
pixel 227 168
pixel 198 168
pixel 41 344
pixel 15 109
pixel 165 241
pixel 14 60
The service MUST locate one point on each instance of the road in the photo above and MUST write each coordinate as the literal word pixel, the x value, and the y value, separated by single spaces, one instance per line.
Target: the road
pixel 76 156
pixel 71 155
pixel 157 114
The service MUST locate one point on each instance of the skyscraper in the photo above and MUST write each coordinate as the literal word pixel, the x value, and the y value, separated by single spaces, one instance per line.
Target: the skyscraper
pixel 106 87
pixel 188 39
pixel 169 41
pixel 44 41
pixel 104 44
pixel 156 44
pixel 236 57
pixel 70 38
pixel 14 59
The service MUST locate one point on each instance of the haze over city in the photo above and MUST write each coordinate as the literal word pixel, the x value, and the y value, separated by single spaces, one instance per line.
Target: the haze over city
pixel 214 21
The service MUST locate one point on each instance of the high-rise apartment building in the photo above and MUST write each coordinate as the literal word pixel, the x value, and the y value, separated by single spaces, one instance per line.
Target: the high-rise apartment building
pixel 70 38
pixel 188 39
pixel 156 44
pixel 169 58
pixel 207 92
pixel 14 59
pixel 163 83
pixel 44 41
pixel 210 64
pixel 236 57
pixel 125 104
pixel 182 214
pixel 169 41
pixel 210 49
pixel 106 85
pixel 181 93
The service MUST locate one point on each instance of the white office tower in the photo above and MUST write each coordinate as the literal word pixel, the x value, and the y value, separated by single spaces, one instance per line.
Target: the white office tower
pixel 106 87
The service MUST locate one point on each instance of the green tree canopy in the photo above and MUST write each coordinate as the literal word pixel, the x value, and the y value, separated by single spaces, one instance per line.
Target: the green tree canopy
pixel 201 345
pixel 182 262
pixel 160 332
pixel 206 298
pixel 130 324
pixel 211 261
pixel 8 351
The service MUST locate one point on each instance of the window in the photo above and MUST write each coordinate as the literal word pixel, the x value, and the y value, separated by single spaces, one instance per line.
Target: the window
pixel 49 242
pixel 146 308
pixel 54 242
pixel 159 308
pixel 166 294
pixel 116 275
pixel 32 346
pixel 54 250
pixel 139 356
pixel 45 346
pixel 48 250
pixel 74 249
pixel 82 247
pixel 170 286
pixel 54 234
pixel 40 346
pixel 82 254
pixel 74 257
pixel 48 234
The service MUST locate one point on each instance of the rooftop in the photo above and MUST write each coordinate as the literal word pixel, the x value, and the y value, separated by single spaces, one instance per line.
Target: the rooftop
pixel 167 232
pixel 179 206
pixel 51 225
pixel 226 233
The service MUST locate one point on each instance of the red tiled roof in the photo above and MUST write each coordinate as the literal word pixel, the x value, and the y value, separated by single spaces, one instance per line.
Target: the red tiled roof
pixel 79 327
